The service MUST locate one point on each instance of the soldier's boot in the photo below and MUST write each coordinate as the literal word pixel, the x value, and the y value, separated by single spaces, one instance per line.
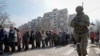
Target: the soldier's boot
pixel 85 54
pixel 78 49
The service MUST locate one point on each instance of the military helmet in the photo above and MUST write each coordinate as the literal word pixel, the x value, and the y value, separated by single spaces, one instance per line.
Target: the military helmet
pixel 79 8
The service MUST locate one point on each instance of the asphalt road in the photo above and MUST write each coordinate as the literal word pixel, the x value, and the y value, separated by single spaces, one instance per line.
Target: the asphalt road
pixel 67 50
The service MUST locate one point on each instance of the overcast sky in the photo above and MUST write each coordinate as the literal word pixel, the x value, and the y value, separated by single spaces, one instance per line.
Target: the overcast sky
pixel 22 11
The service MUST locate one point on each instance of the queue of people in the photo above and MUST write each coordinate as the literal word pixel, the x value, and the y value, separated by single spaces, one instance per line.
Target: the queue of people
pixel 40 39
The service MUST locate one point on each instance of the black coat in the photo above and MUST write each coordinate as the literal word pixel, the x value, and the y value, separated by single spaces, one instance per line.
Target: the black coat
pixel 11 38
pixel 2 35
pixel 38 36
pixel 32 38
pixel 26 36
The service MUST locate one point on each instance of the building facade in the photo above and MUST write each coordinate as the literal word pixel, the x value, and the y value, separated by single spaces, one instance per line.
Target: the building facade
pixel 56 20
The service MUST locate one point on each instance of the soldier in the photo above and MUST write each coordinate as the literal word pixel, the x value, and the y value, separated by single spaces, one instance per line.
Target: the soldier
pixel 80 24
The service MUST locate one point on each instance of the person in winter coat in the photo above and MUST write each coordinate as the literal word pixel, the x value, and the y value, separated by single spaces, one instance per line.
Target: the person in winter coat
pixel 26 38
pixel 50 38
pixel 16 40
pixel 6 44
pixel 47 39
pixel 19 40
pixel 32 38
pixel 38 39
pixel 92 37
pixel 44 36
pixel 73 39
pixel 2 37
pixel 55 39
pixel 11 39
pixel 63 38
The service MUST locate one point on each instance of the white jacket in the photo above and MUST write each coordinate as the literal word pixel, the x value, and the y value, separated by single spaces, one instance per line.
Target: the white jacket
pixel 44 36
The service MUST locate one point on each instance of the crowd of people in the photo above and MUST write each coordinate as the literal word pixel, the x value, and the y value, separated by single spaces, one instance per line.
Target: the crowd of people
pixel 39 39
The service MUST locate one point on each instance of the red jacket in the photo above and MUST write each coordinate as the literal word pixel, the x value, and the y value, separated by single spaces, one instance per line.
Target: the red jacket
pixel 92 35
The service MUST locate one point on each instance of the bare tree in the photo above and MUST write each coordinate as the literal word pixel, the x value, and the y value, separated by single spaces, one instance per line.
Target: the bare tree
pixel 3 15
pixel 3 18
pixel 2 5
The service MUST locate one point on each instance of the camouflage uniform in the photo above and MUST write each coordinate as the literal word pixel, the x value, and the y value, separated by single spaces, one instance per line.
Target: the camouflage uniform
pixel 80 24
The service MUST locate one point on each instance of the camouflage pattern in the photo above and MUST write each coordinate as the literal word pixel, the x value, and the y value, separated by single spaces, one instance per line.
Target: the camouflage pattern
pixel 82 41
pixel 80 24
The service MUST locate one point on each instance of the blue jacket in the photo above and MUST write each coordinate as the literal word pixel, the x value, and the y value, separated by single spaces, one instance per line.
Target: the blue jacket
pixel 2 34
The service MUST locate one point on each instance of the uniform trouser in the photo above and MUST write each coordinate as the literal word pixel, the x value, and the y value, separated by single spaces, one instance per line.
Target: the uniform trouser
pixel 82 41
pixel 1 47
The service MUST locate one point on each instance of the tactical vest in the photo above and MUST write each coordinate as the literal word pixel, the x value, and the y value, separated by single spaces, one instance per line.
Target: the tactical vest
pixel 80 29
